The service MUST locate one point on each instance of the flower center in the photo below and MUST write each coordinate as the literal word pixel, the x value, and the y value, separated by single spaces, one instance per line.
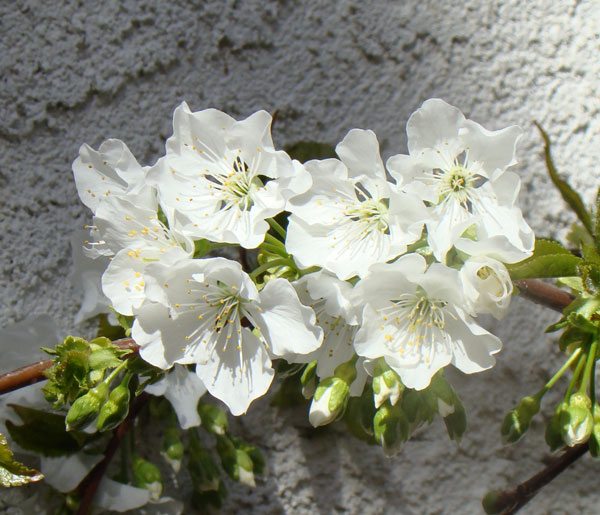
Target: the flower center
pixel 371 214
pixel 413 325
pixel 239 186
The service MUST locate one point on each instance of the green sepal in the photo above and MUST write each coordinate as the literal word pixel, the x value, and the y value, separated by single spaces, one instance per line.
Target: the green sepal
pixel 456 422
pixel 590 277
pixel 549 260
pixel 306 150
pixel 202 499
pixel 201 248
pixel 580 322
pixel 354 417
pixel 569 195
pixel 13 473
pixel 214 419
pixel 571 336
pixel 308 380
pixel 112 332
pixel 53 440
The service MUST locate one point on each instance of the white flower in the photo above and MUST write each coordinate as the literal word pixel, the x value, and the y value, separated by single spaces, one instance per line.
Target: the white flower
pixel 183 390
pixel 219 321
pixel 135 237
pixel 458 167
pixel 415 319
pixel 336 313
pixel 222 178
pixel 352 216
pixel 487 285
pixel 111 171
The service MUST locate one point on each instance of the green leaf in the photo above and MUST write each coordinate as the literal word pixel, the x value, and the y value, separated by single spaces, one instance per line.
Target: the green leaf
pixel 590 277
pixel 578 235
pixel 550 259
pixel 590 254
pixel 105 329
pixel 201 248
pixel 568 194
pixel 13 473
pixel 45 433
pixel 306 150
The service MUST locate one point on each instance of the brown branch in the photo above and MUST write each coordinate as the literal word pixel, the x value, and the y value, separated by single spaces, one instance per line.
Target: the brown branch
pixel 509 502
pixel 34 373
pixel 544 294
pixel 89 485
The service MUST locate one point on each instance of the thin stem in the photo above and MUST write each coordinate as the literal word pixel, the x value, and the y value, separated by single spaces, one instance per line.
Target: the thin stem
pixel 277 228
pixel 269 238
pixel 89 485
pixel 34 373
pixel 573 382
pixel 562 370
pixel 274 249
pixel 271 264
pixel 509 502
pixel 544 293
pixel 591 359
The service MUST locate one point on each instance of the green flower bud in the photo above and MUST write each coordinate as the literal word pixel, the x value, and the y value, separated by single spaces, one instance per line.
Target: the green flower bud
pixel 386 384
pixel 390 428
pixel 329 401
pixel 553 434
pixel 236 462
pixel 359 416
pixel 517 421
pixel 308 380
pixel 116 408
pixel 577 421
pixel 147 475
pixel 172 448
pixel 494 503
pixel 213 419
pixel 258 462
pixel 85 409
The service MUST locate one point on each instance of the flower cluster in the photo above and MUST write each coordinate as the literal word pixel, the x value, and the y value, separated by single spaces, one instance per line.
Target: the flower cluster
pixel 377 261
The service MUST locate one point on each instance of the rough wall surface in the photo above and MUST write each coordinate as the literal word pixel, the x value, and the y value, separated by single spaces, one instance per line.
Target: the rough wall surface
pixel 74 72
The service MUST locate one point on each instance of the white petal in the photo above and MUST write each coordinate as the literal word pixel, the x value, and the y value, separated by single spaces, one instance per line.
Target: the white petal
pixel 238 376
pixel 432 125
pixel 112 495
pixel 65 473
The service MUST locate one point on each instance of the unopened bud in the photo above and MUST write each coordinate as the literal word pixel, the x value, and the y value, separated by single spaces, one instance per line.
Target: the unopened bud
pixel 85 409
pixel 329 401
pixel 456 422
pixel 577 421
pixel 517 421
pixel 115 409
pixel 148 476
pixel 386 384
pixel 213 419
pixel 390 428
pixel 172 448
pixel 236 462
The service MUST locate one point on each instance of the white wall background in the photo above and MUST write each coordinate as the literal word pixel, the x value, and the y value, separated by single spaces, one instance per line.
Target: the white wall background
pixel 74 72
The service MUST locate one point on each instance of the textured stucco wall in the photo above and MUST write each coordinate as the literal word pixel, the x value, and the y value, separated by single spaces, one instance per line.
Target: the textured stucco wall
pixel 85 71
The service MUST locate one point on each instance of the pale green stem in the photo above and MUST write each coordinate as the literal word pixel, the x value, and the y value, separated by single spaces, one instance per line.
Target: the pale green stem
pixel 277 228
pixel 271 264
pixel 591 359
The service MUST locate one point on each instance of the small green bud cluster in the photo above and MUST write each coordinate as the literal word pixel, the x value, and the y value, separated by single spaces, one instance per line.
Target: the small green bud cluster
pixel 573 422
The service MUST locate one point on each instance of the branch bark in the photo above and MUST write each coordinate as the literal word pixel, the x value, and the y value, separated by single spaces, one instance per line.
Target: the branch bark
pixel 509 502
pixel 545 294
